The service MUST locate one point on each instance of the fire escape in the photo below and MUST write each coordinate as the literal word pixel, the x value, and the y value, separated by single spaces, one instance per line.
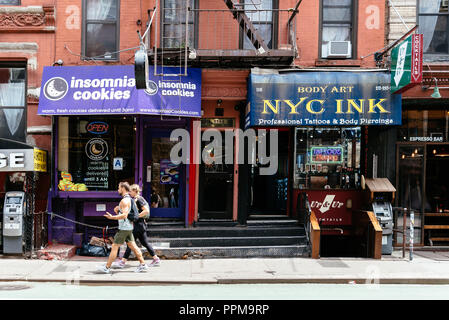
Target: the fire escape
pixel 222 34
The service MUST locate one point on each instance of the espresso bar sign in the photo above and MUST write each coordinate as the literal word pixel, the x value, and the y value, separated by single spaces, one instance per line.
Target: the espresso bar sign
pixel 427 139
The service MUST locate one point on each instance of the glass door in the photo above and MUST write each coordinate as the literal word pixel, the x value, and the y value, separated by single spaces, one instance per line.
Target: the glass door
pixel 164 181
pixel 410 187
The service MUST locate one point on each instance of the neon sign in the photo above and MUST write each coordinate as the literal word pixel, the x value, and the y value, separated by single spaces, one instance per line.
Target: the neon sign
pixel 97 127
pixel 326 154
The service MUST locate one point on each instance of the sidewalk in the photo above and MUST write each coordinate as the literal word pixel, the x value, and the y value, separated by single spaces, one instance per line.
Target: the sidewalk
pixel 426 268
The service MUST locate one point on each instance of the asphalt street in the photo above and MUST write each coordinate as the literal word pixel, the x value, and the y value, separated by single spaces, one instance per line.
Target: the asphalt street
pixel 64 291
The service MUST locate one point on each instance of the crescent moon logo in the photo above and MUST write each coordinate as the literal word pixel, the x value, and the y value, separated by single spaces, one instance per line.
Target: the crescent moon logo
pixel 96 149
pixel 151 88
pixel 56 88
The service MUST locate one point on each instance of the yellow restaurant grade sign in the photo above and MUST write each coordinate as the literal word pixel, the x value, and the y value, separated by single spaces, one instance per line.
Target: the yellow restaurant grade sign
pixel 40 160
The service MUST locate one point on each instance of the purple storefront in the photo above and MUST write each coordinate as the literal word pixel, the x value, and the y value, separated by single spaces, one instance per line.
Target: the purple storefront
pixel 106 131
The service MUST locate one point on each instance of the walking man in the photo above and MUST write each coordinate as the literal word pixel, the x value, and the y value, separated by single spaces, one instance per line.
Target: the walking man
pixel 140 229
pixel 125 230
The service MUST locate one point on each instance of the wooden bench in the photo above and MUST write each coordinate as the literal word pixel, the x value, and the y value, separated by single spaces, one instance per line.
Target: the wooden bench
pixel 437 227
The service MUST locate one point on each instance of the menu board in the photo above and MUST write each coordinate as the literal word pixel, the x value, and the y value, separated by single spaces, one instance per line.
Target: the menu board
pixel 326 154
pixel 169 172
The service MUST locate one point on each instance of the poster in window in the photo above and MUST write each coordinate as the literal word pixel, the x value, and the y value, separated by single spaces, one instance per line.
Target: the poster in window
pixel 169 172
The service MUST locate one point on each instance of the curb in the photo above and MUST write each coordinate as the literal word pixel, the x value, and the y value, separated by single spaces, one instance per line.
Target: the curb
pixel 222 281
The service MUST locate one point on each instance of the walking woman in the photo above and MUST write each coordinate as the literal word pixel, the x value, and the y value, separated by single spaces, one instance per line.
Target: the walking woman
pixel 140 228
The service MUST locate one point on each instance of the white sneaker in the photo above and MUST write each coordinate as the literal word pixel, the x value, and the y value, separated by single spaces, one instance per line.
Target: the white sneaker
pixel 103 269
pixel 155 263
pixel 141 268
pixel 118 265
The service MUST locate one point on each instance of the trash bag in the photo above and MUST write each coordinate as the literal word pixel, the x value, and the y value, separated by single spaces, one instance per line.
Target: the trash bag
pixel 92 251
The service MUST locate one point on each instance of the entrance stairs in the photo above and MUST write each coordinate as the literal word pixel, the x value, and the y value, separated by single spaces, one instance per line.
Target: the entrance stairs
pixel 221 239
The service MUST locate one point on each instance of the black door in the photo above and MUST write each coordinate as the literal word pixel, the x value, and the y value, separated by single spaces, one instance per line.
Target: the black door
pixel 216 183
pixel 268 194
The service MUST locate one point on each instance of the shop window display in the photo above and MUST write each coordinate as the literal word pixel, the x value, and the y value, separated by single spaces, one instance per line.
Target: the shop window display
pixel 327 158
pixel 95 153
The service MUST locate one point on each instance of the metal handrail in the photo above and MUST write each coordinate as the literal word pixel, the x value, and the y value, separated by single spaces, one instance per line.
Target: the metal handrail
pixel 307 218
pixel 404 230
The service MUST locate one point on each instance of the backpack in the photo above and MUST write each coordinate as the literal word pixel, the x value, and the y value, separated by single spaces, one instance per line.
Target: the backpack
pixel 140 207
pixel 133 214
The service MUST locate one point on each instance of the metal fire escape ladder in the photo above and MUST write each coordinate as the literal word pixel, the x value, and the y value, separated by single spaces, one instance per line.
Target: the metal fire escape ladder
pixel 247 26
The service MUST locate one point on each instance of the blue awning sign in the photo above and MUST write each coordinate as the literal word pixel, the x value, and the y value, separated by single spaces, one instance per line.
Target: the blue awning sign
pixel 322 99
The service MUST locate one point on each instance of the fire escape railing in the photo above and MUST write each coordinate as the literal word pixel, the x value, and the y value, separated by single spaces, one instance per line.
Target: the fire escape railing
pixel 220 32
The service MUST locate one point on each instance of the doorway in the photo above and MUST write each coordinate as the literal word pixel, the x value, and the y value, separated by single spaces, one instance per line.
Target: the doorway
pixel 269 193
pixel 216 181
pixel 423 185
pixel 164 182
pixel 410 182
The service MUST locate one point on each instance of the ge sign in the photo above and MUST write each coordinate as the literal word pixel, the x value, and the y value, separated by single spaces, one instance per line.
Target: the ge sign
pixel 12 160
pixel 16 160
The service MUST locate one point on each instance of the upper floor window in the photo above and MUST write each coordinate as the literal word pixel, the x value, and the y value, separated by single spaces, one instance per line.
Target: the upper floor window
pixel 13 102
pixel 433 24
pixel 174 24
pixel 262 17
pixel 337 29
pixel 101 29
pixel 10 2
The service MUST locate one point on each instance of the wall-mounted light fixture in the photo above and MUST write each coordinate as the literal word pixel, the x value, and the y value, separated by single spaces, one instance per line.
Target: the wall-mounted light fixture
pixel 436 92
pixel 58 62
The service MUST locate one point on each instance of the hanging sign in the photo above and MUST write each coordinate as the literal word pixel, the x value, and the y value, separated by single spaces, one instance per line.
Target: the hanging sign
pixel 407 63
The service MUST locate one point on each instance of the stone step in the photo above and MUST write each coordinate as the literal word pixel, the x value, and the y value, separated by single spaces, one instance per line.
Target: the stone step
pixel 233 252
pixel 267 223
pixel 231 241
pixel 251 231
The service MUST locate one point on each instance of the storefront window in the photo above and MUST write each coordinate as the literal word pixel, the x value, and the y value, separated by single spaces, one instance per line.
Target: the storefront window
pixel 327 158
pixel 95 153
pixel 424 126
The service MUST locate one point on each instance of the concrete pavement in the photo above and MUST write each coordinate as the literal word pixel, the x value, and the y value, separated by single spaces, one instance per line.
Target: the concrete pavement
pixel 426 268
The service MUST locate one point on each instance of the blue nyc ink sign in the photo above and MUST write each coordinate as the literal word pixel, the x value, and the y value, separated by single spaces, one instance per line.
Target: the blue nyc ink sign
pixel 322 98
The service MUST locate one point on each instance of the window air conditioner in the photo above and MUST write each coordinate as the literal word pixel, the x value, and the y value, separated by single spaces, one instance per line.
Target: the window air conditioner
pixel 339 49
pixel 444 3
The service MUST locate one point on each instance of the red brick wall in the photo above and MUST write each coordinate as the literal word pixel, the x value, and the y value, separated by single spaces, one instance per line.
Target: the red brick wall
pixel 370 33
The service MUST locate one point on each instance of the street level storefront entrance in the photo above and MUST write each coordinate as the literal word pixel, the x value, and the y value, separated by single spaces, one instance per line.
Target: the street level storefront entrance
pixel 325 115
pixel 21 165
pixel 422 153
pixel 106 131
